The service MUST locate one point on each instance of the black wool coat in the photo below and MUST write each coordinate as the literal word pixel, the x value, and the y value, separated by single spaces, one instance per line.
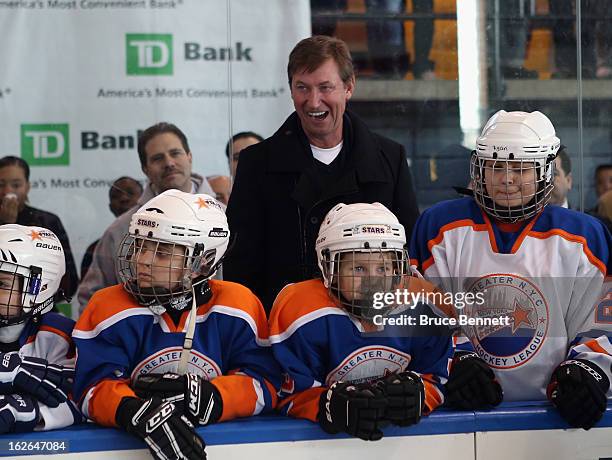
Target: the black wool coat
pixel 275 211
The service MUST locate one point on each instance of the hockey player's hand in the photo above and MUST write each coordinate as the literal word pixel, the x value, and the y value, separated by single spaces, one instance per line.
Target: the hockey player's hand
pixel 405 397
pixel 578 389
pixel 471 384
pixel 168 433
pixel 199 398
pixel 357 409
pixel 18 413
pixel 48 383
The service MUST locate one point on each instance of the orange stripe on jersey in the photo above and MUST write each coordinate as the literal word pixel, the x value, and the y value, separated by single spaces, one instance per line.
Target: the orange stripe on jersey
pixel 298 300
pixel 106 398
pixel 458 224
pixel 524 233
pixel 238 395
pixel 104 304
pixel 305 404
pixel 55 331
pixel 575 239
pixel 433 397
pixel 594 345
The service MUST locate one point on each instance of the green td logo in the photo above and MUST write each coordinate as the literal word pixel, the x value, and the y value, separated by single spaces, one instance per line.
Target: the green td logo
pixel 148 54
pixel 45 145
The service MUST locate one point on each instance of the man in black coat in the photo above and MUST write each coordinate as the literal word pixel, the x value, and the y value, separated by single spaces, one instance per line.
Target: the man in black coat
pixel 321 156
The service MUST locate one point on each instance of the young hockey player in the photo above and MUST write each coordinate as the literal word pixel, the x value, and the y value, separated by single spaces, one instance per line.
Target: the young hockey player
pixel 170 348
pixel 541 266
pixel 36 351
pixel 343 369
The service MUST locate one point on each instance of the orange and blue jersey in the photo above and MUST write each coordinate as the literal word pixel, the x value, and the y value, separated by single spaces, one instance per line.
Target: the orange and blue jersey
pixel 118 340
pixel 318 343
pixel 549 275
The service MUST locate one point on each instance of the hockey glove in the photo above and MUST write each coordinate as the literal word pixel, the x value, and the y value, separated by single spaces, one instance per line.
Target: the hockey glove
pixel 168 433
pixel 578 389
pixel 48 383
pixel 200 399
pixel 405 397
pixel 358 410
pixel 471 384
pixel 18 413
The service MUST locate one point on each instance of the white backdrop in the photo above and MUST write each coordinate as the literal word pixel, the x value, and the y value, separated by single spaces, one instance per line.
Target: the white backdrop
pixel 79 78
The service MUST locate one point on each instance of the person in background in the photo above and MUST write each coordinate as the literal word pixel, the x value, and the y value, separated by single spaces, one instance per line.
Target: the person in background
pixel 14 209
pixel 222 186
pixel 237 144
pixel 563 178
pixel 122 195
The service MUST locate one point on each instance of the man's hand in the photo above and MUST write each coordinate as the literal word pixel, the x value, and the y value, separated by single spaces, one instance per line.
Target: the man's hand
pixel 199 398
pixel 168 433
pixel 578 389
pixel 18 413
pixel 356 409
pixel 471 384
pixel 48 383
pixel 405 394
pixel 9 209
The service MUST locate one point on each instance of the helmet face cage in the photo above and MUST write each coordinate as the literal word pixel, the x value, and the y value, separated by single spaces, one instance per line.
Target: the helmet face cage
pixel 17 283
pixel 532 176
pixel 160 273
pixel 354 277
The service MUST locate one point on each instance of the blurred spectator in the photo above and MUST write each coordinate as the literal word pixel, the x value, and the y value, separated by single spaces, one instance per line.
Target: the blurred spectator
pixel 513 39
pixel 563 178
pixel 603 179
pixel 325 26
pixel 604 209
pixel 122 195
pixel 236 144
pixel 386 42
pixel 564 36
pixel 14 188
pixel 222 186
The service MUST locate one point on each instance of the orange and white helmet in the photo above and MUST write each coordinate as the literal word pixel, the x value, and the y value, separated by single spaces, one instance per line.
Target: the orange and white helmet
pixel 372 231
pixel 191 228
pixel 32 265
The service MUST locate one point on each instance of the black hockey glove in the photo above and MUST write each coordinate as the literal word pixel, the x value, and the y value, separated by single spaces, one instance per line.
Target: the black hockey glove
pixel 357 409
pixel 200 399
pixel 405 397
pixel 167 432
pixel 578 389
pixel 18 413
pixel 471 384
pixel 48 383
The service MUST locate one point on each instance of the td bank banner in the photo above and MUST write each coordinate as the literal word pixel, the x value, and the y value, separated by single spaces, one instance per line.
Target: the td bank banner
pixel 80 79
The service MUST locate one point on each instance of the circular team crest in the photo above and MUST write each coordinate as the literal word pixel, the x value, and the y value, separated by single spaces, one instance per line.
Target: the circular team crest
pixel 167 360
pixel 520 300
pixel 369 363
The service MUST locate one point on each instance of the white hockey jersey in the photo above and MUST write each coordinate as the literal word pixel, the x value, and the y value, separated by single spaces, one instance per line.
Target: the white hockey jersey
pixel 546 276
pixel 50 338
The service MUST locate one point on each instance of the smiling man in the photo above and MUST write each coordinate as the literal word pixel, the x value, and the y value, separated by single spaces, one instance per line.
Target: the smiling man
pixel 321 156
pixel 165 158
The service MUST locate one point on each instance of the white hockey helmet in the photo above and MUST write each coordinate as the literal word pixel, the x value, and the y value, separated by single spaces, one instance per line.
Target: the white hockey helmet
pixel 361 228
pixel 36 256
pixel 527 138
pixel 189 230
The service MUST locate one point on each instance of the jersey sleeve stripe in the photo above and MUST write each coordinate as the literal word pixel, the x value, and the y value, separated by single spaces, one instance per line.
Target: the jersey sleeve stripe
pixel 280 333
pixel 575 239
pixel 259 330
pixel 56 331
pixel 260 403
pixel 91 332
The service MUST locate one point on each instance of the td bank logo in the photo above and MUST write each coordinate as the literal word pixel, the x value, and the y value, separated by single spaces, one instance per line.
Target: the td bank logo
pixel 148 54
pixel 45 145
